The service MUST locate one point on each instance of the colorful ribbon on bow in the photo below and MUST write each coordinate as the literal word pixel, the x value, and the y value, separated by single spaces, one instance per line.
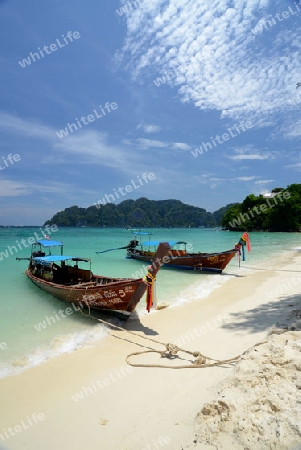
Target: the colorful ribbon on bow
pixel 151 297
pixel 244 240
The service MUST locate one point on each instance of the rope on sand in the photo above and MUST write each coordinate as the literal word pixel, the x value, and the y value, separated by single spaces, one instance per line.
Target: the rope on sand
pixel 170 352
pixel 201 361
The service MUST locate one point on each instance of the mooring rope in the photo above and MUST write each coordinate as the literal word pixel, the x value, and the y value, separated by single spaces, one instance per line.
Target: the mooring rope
pixel 171 351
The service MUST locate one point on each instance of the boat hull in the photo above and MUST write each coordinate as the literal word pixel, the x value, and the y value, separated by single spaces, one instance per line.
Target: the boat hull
pixel 203 262
pixel 113 296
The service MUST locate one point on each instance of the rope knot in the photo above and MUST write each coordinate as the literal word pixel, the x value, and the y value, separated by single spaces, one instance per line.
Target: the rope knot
pixel 200 360
pixel 170 351
pixel 172 348
pixel 148 278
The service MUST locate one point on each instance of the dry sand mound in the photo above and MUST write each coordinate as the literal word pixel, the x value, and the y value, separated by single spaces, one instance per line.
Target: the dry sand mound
pixel 259 407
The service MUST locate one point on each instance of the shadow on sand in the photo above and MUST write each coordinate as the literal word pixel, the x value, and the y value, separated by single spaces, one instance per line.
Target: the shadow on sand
pixel 284 313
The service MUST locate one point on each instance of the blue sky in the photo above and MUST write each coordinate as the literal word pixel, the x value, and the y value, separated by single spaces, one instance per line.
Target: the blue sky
pixel 177 73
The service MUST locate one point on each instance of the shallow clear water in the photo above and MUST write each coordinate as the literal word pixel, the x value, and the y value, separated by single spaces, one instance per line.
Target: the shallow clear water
pixel 24 306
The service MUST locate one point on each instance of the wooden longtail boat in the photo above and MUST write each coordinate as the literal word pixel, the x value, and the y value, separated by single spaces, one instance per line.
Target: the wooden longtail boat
pixel 61 277
pixel 180 258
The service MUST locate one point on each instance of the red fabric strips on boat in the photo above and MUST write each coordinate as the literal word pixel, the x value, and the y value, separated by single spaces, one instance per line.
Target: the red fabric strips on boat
pixel 150 280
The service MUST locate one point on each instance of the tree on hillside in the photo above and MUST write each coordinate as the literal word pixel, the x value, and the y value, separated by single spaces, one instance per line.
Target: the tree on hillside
pixel 278 213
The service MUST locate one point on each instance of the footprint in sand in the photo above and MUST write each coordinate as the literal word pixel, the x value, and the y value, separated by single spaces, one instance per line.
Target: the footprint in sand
pixel 103 421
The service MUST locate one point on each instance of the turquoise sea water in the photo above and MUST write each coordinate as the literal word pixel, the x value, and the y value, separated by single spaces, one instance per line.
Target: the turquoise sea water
pixel 24 306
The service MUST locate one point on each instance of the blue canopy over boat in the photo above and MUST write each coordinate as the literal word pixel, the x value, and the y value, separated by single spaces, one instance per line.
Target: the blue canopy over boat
pixel 158 242
pixel 47 260
pixel 50 259
pixel 49 243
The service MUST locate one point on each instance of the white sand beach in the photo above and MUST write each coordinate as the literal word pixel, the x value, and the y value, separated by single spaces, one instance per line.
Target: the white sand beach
pixel 91 399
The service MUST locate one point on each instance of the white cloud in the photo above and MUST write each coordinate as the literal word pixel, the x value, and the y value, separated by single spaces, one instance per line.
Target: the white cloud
pixel 264 181
pixel 150 143
pixel 248 156
pixel 146 143
pixel 92 148
pixel 209 179
pixel 296 166
pixel 246 178
pixel 87 146
pixel 30 128
pixel 181 146
pixel 293 130
pixel 10 188
pixel 149 128
pixel 251 153
pixel 228 68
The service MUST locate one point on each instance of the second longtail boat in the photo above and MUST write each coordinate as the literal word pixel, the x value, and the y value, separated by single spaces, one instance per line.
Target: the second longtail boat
pixel 180 258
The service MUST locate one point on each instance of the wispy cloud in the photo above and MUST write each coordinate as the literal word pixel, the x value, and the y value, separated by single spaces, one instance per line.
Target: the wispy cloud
pixel 147 143
pixel 181 146
pixel 10 188
pixel 248 156
pixel 251 153
pixel 148 128
pixel 264 181
pixel 226 68
pixel 92 147
pixel 293 130
pixel 150 143
pixel 31 128
pixel 208 178
pixel 88 146
pixel 246 178
pixel 296 166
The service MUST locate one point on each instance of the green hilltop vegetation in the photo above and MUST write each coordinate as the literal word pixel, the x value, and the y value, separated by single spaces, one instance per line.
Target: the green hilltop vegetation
pixel 279 212
pixel 138 213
